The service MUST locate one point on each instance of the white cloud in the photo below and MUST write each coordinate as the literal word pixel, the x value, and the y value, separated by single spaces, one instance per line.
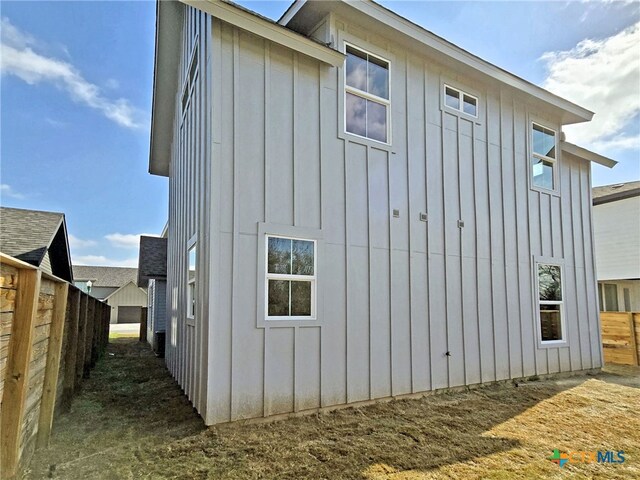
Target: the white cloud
pixel 7 191
pixel 102 261
pixel 125 240
pixel 75 242
pixel 18 58
pixel 603 76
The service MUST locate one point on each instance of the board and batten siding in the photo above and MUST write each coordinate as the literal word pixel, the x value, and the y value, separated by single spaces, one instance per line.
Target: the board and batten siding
pixel 189 190
pixel 395 294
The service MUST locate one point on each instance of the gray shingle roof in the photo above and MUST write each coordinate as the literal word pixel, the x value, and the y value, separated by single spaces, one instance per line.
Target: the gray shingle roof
pixel 27 234
pixel 105 276
pixel 152 260
pixel 617 191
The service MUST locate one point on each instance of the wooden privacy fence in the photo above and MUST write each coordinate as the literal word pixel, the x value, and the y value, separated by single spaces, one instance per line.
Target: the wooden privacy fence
pixel 51 335
pixel 621 337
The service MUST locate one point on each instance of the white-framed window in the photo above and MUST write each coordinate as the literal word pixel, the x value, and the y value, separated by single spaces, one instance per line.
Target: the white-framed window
pixel 608 296
pixel 191 281
pixel 543 157
pixel 461 101
pixel 550 303
pixel 290 286
pixel 367 101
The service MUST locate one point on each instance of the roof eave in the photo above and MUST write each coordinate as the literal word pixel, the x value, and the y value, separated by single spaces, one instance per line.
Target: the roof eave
pixel 570 112
pixel 272 31
pixel 165 85
pixel 588 155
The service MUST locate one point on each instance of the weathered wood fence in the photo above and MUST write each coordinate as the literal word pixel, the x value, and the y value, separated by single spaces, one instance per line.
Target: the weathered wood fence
pixel 51 335
pixel 621 337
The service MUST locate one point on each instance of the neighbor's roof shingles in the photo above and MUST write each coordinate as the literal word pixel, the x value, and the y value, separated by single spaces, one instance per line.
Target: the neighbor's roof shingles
pixel 617 191
pixel 27 234
pixel 152 261
pixel 105 276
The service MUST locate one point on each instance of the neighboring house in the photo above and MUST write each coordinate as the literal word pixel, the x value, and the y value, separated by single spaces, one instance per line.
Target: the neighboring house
pixel 616 226
pixel 152 275
pixel 359 209
pixel 38 238
pixel 116 286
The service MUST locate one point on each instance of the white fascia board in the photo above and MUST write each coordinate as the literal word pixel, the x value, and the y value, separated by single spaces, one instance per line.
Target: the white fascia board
pixel 587 155
pixel 271 31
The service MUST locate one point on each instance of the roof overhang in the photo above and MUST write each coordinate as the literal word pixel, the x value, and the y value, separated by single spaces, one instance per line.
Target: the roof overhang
pixel 446 51
pixel 165 80
pixel 165 85
pixel 587 154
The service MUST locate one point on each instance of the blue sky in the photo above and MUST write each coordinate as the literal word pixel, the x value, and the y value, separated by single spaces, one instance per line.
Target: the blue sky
pixel 76 95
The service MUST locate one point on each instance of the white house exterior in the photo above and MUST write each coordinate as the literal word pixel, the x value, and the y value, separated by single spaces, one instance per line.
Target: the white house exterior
pixel 616 225
pixel 359 209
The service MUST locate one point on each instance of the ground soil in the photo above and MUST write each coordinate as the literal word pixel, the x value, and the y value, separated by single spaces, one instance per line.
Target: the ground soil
pixel 132 421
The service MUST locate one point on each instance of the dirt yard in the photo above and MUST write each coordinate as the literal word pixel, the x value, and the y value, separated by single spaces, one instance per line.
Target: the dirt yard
pixel 132 422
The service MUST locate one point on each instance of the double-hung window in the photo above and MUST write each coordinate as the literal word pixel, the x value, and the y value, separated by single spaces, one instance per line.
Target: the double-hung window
pixel 550 306
pixel 366 104
pixel 191 282
pixel 543 157
pixel 291 278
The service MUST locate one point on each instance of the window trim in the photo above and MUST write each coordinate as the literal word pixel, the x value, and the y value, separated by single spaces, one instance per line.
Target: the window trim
pixel 564 342
pixel 298 233
pixel 554 161
pixel 366 95
pixel 190 316
pixel 290 277
pixel 462 93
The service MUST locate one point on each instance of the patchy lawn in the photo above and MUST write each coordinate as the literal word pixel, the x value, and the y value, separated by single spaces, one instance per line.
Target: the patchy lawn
pixel 131 421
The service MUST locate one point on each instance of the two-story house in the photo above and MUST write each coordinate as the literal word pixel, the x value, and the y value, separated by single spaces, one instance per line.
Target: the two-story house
pixel 616 225
pixel 359 209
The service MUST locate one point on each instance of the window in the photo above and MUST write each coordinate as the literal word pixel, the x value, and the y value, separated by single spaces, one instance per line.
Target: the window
pixel 610 297
pixel 291 278
pixel 460 101
pixel 543 157
pixel 627 299
pixel 366 102
pixel 550 303
pixel 191 282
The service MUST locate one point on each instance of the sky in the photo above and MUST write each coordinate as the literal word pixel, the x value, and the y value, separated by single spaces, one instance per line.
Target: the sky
pixel 75 98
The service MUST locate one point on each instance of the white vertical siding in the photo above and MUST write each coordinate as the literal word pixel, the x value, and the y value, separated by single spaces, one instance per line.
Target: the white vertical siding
pixel 407 305
pixel 189 190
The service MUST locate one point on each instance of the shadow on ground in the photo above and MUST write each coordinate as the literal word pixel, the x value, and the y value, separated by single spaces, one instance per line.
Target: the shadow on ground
pixel 132 421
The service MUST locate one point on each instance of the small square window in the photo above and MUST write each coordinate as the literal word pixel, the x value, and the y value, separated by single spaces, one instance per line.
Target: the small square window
pixel 460 101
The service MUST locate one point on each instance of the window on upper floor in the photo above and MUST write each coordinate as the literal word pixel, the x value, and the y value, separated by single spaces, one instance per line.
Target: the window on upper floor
pixel 550 305
pixel 367 101
pixel 460 101
pixel 290 278
pixel 543 157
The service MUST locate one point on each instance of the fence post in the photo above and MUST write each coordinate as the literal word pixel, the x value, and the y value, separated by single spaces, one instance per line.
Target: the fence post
pixel 82 333
pixel 143 324
pixel 632 340
pixel 16 383
pixel 86 362
pixel 54 350
pixel 72 347
pixel 106 325
pixel 95 338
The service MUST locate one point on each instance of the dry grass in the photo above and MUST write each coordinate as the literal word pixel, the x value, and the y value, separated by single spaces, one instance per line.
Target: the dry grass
pixel 131 421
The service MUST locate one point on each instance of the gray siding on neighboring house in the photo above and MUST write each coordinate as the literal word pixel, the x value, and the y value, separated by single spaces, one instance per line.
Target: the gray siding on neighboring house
pixel 394 294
